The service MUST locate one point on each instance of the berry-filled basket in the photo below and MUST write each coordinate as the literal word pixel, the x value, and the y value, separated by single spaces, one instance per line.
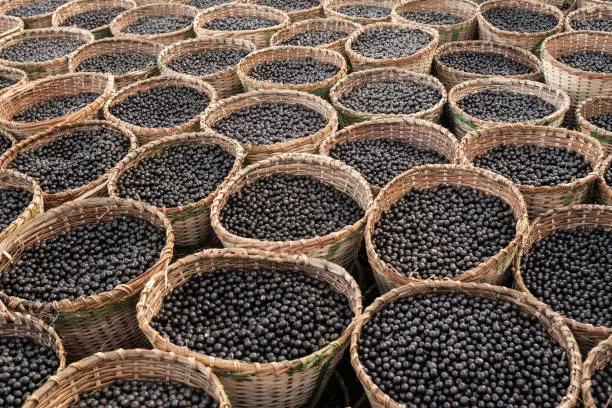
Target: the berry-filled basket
pixel 605 181
pixel 18 76
pixel 313 12
pixel 42 20
pixel 590 117
pixel 61 16
pixel 10 25
pixel 580 19
pixel 340 9
pixel 597 362
pixel 10 179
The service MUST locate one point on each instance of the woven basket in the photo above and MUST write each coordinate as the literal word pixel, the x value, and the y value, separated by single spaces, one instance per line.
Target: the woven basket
pixel 586 14
pixel 37 21
pixel 528 41
pixel 451 77
pixel 13 179
pixel 605 191
pixel 590 108
pixel 308 144
pixel 431 176
pixel 462 122
pixel 566 218
pixel 591 3
pixel 349 116
pixel 547 318
pixel 33 93
pixel 116 46
pixel 260 37
pixel 102 369
pixel 42 69
pixel 127 18
pixel 75 7
pixel 15 74
pixel 283 384
pixel 146 135
pixel 320 88
pixel 599 359
pixel 10 25
pixel 415 132
pixel 225 82
pixel 331 10
pixel 299 15
pixel 341 246
pixel 464 9
pixel 419 62
pixel 543 198
pixel 94 188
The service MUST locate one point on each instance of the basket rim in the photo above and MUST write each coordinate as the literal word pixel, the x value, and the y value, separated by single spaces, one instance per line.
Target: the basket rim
pixel 605 189
pixel 583 120
pixel 5 69
pixel 19 24
pixel 199 29
pixel 396 14
pixel 321 22
pixel 331 10
pixel 35 204
pixel 547 57
pixel 69 5
pixel 531 4
pixel 586 12
pixel 295 13
pixel 603 348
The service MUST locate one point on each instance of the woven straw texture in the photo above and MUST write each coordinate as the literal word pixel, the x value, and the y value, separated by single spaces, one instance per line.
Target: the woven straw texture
pixel 146 135
pixel 225 82
pixel 298 15
pixel 72 8
pixel 341 246
pixel 463 122
pixel 430 176
pixel 451 77
pixel 15 74
pixel 13 179
pixel 592 107
pixel 465 9
pixel 102 369
pixel 42 69
pixel 37 21
pixel 94 323
pixel 528 41
pixel 10 25
pixel 591 3
pixel 119 45
pixel 34 93
pixel 566 6
pixel 283 384
pixel 307 144
pixel 127 18
pixel 547 318
pixel 419 62
pixel 94 188
pixel 598 359
pixel 605 191
pixel 331 10
pixel 260 37
pixel 567 218
pixel 415 132
pixel 543 198
pixel 349 116
pixel 586 14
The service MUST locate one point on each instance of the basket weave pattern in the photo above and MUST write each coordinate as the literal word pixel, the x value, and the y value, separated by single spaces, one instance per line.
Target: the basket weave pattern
pixel 586 14
pixel 590 108
pixel 605 191
pixel 10 25
pixel 331 10
pixel 13 179
pixel 599 358
pixel 16 75
pixel 591 3
pixel 299 15
pixel 75 7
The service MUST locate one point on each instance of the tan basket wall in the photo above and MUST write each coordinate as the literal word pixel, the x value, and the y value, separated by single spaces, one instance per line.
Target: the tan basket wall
pixel 286 384
pixel 74 7
pixel 15 74
pixel 590 108
pixel 331 7
pixel 38 21
pixel 585 14
pixel 299 15
pixel 13 179
pixel 598 359
pixel 10 25
pixel 605 191
pixel 591 3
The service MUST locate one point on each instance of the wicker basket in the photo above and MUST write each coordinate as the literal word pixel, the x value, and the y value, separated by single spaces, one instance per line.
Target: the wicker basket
pixel 260 37
pixel 341 246
pixel 94 188
pixel 547 318
pixel 349 116
pixel 599 359
pixel 225 82
pixel 15 74
pixel 37 21
pixel 127 18
pixel 591 3
pixel 75 7
pixel 42 69
pixel 451 77
pixel 307 144
pixel 543 198
pixel 586 14
pixel 419 62
pixel 528 41
pixel 605 191
pixel 462 122
pixel 299 15
pixel 567 218
pixel 94 323
pixel 33 93
pixel 13 179
pixel 331 10
pixel 10 25
pixel 102 369
pixel 590 108
pixel 431 176
pixel 286 384
pixel 146 135
pixel 465 9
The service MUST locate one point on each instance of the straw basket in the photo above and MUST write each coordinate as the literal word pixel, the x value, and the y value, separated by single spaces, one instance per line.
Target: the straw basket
pixel 146 135
pixel 542 198
pixel 605 191
pixel 341 246
pixel 463 122
pixel 10 25
pixel 586 14
pixel 119 45
pixel 75 7
pixel 95 188
pixel 591 3
pixel 42 69
pixel 127 18
pixel 451 77
pixel 431 176
pixel 307 144
pixel 190 222
pixel 349 116
pixel 15 74
pixel 590 108
pixel 528 41
pixel 465 9
pixel 13 179
pixel 419 62
pixel 527 304
pixel 320 88
pixel 283 384
pixel 599 359
pixel 34 93
pixel 415 132
pixel 37 21
pixel 102 369
pixel 567 218
pixel 225 82
pixel 260 37
pixel 299 15
pixel 332 6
